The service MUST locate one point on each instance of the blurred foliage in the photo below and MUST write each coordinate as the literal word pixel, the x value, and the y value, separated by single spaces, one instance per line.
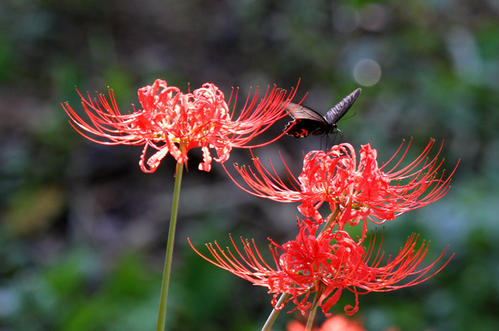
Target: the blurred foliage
pixel 83 231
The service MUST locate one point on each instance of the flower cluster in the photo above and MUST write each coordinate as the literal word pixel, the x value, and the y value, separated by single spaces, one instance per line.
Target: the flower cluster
pixel 324 260
pixel 360 189
pixel 327 264
pixel 172 122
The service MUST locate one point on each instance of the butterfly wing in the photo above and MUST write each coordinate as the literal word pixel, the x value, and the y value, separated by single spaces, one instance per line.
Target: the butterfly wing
pixel 305 121
pixel 302 112
pixel 341 108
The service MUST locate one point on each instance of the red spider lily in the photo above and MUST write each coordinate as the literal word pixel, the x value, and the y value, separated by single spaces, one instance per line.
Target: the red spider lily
pixel 335 323
pixel 328 264
pixel 172 122
pixel 360 189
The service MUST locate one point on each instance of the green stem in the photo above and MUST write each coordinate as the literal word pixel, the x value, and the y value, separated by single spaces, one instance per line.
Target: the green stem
pixel 332 218
pixel 313 311
pixel 169 250
pixel 273 315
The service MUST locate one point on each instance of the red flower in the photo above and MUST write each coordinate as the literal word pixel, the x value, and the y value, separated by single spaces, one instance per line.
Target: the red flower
pixel 172 122
pixel 328 263
pixel 335 323
pixel 359 188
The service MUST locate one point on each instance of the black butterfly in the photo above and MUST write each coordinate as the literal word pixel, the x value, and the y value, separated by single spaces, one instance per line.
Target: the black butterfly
pixel 307 121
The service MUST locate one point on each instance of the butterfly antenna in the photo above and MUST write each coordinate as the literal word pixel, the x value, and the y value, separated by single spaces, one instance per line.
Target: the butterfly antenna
pixel 342 136
pixel 337 137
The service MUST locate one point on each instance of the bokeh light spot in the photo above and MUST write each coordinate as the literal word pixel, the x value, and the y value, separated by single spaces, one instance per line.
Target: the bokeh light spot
pixel 367 72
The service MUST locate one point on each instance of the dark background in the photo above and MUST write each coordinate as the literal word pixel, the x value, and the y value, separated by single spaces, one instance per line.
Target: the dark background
pixel 83 230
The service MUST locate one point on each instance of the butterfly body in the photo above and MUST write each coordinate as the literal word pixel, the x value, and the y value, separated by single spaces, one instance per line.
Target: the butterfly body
pixel 307 121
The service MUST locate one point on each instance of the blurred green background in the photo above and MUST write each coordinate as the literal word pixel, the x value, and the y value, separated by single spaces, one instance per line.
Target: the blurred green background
pixel 83 230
